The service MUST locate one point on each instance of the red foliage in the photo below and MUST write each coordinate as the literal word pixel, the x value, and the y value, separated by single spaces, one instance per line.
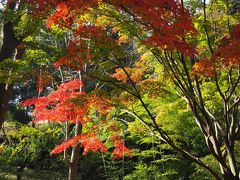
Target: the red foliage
pixel 89 141
pixel 228 52
pixel 73 59
pixel 93 144
pixel 66 11
pixel 66 144
pixel 227 55
pixel 169 23
pixel 59 106
pixel 71 85
pixel 62 16
pixel 120 149
pixel 44 79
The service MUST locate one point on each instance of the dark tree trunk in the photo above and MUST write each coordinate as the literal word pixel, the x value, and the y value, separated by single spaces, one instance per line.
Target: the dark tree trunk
pixel 8 48
pixel 19 171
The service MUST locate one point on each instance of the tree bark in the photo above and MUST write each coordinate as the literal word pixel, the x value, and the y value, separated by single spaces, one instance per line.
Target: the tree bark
pixel 76 151
pixel 73 164
pixel 9 45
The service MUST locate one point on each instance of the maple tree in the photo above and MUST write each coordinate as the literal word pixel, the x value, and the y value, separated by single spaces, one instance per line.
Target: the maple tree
pixel 70 104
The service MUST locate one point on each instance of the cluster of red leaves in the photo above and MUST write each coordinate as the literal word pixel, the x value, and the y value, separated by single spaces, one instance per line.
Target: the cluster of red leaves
pixel 66 11
pixel 93 144
pixel 88 141
pixel 226 55
pixel 73 59
pixel 96 34
pixel 57 106
pixel 91 37
pixel 228 52
pixel 169 22
pixel 67 104
pixel 62 17
pixel 120 149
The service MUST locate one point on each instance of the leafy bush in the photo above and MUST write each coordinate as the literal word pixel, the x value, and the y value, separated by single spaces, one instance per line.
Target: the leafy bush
pixel 29 151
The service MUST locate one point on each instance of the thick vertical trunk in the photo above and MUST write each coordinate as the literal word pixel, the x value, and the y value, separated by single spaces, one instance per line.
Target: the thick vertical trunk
pixel 4 98
pixel 9 45
pixel 7 50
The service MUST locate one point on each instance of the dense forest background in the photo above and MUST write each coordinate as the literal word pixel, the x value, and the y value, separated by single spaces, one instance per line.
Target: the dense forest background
pixel 124 89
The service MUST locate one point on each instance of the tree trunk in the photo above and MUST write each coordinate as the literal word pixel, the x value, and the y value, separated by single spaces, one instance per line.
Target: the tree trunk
pixel 9 46
pixel 76 151
pixel 73 164
pixel 19 171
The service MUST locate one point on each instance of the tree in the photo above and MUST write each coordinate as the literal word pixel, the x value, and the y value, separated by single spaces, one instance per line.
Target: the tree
pixel 17 23
pixel 9 45
pixel 69 104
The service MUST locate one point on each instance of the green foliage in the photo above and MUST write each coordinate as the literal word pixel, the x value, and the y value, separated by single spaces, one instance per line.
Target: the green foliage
pixel 29 148
pixel 10 70
pixel 200 173
pixel 176 119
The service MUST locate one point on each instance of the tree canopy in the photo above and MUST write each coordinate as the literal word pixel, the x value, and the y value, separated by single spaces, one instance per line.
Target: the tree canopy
pixel 121 74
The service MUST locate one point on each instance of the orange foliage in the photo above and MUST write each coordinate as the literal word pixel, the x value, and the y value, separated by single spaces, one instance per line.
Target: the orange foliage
pixel 204 67
pixel 135 74
pixel 227 55
pixel 61 17
pixel 44 79
pixel 120 149
pixel 169 23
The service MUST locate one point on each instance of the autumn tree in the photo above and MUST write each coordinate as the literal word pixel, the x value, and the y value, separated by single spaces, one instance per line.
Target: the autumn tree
pixel 71 106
